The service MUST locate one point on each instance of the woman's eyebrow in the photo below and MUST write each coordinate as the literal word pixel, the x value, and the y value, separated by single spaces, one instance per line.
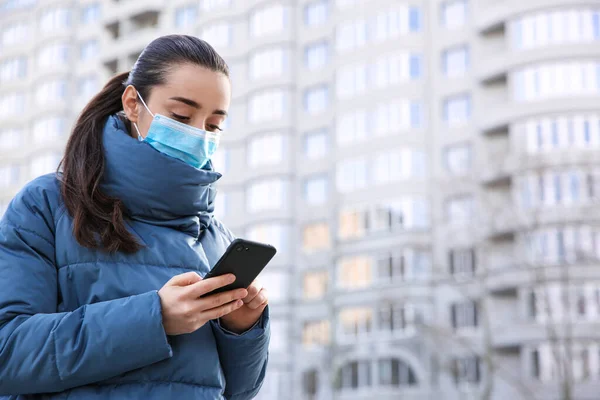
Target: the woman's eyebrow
pixel 187 101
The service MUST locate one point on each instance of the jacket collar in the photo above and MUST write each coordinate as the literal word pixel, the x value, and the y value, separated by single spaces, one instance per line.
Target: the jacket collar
pixel 155 188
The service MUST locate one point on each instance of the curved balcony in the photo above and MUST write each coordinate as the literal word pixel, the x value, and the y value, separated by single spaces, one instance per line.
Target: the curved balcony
pixel 497 67
pixel 500 116
pixel 511 335
pixel 492 17
pixel 124 9
pixel 506 280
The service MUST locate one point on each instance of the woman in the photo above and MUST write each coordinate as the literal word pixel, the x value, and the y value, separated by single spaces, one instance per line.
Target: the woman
pixel 100 266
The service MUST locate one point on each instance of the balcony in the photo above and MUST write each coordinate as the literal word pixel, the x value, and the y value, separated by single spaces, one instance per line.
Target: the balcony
pixel 498 117
pixel 119 10
pixel 506 280
pixel 496 67
pixel 510 334
pixel 498 171
pixel 491 18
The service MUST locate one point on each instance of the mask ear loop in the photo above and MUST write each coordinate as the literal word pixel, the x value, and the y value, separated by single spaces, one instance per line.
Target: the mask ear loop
pixel 140 138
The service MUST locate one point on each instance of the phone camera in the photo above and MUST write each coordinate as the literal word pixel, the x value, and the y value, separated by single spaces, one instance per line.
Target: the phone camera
pixel 246 249
pixel 240 248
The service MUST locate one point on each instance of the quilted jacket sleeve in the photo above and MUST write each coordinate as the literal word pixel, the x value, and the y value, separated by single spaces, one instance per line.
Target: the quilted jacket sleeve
pixel 243 357
pixel 42 350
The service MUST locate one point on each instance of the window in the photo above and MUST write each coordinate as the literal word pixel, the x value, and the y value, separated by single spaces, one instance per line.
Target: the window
pixel 11 138
pixel 354 272
pixel 556 80
pixel 555 302
pixel 269 63
pixel 548 361
pixel 454 13
pixel 397 318
pixel 278 284
pixel 90 14
pixel 316 55
pixel 353 223
pixel 210 5
pixel 186 16
pixel 464 315
pixel 457 109
pixel 267 195
pixel 51 91
pixel 455 61
pixel 13 68
pixel 315 284
pixel 269 105
pixel 9 175
pixel 315 190
pixel 316 144
pixel 462 262
pixel 556 27
pixel 12 104
pixel 89 49
pixel 394 116
pixel 49 129
pixel 459 210
pixel 351 175
pixel 395 373
pixel 415 66
pixel 351 80
pixel 269 20
pixel 266 150
pixel 457 159
pixel 316 237
pixel 88 87
pixel 310 382
pixel 44 164
pixel 280 335
pixel 54 19
pixel 351 127
pixel 356 321
pixel 220 160
pixel 405 265
pixel 467 370
pixel 393 69
pixel 275 234
pixel 316 99
pixel 316 13
pixel 351 35
pixel 218 34
pixel 220 204
pixel 18 32
pixel 563 132
pixel 315 333
pixel 394 166
pixel 355 375
pixel 414 19
pixel 53 55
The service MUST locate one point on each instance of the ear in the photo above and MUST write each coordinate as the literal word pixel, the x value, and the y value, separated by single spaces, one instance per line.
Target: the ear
pixel 130 103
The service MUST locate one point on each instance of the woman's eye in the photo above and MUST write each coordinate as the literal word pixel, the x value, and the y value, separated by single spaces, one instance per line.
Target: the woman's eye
pixel 214 128
pixel 180 117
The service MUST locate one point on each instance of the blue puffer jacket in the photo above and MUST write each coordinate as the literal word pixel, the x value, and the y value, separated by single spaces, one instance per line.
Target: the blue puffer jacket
pixel 77 323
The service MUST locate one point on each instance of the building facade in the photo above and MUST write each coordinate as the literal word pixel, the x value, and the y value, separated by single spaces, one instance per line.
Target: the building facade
pixel 427 169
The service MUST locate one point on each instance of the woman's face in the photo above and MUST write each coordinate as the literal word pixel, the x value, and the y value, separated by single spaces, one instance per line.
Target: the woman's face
pixel 193 95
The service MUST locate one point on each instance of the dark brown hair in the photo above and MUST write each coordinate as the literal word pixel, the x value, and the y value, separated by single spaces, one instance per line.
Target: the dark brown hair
pixel 98 220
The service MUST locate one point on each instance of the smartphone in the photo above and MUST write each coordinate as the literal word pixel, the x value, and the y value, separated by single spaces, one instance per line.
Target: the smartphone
pixel 245 260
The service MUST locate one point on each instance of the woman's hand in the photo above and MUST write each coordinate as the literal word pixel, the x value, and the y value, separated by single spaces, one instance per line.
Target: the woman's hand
pixel 184 311
pixel 244 318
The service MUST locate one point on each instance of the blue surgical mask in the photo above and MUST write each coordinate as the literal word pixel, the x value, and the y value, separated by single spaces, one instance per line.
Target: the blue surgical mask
pixel 191 145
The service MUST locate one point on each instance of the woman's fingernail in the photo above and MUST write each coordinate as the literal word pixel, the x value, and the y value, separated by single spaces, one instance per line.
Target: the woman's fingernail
pixel 239 303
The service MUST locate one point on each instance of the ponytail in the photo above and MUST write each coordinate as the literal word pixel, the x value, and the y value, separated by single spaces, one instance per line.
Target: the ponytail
pixel 98 220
